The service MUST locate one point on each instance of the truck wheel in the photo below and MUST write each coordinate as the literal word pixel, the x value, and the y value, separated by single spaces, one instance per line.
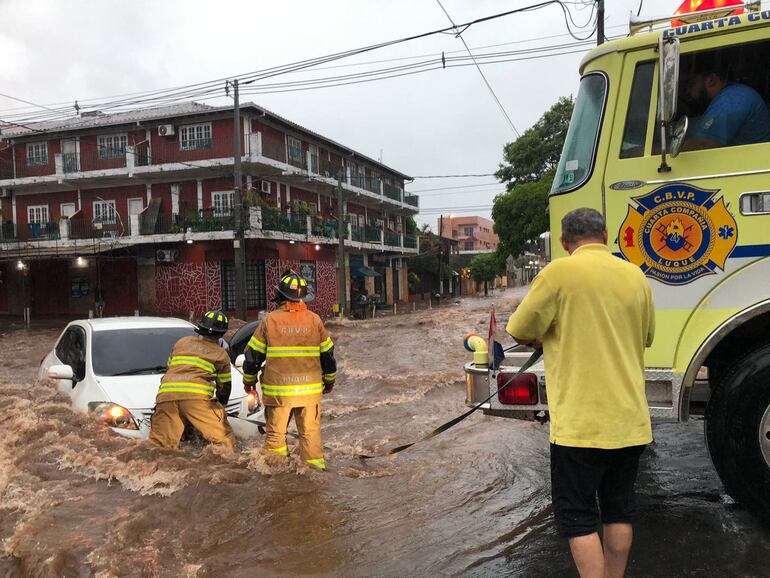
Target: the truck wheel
pixel 738 430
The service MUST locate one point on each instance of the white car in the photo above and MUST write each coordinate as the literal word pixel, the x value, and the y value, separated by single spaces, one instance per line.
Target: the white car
pixel 111 368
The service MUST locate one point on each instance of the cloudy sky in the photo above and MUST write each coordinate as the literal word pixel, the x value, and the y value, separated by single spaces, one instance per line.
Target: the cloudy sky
pixel 439 122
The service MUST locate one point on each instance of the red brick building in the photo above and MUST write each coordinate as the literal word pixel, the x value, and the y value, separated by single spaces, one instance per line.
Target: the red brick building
pixel 135 210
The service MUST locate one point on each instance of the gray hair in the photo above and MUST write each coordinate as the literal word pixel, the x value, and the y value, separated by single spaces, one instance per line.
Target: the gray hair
pixel 582 224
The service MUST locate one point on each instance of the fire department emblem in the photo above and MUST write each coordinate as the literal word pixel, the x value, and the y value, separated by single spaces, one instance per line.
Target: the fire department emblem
pixel 678 233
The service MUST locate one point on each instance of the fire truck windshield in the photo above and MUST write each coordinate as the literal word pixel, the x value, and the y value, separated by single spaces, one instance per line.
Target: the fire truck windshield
pixel 579 151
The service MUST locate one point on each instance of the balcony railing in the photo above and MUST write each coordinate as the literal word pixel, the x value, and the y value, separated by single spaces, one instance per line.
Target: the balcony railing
pixel 21 168
pixel 38 231
pixel 410 241
pixel 372 184
pixel 203 221
pixel 289 222
pixel 392 192
pixel 357 234
pixel 413 200
pixel 372 234
pixel 329 169
pixel 325 228
pixel 392 239
pixel 178 151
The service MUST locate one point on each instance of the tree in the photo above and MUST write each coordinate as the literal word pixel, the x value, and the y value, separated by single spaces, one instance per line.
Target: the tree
pixel 520 215
pixel 531 160
pixel 484 268
pixel 537 151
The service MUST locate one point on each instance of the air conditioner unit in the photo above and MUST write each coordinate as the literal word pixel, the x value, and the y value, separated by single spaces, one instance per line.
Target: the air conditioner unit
pixel 166 255
pixel 166 130
pixel 264 187
pixel 110 234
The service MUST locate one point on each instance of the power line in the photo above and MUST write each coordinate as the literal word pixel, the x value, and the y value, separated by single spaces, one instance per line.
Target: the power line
pixel 190 91
pixel 486 82
pixel 455 187
pixel 453 176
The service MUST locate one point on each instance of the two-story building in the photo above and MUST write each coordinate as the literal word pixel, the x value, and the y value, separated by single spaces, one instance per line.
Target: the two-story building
pixel 473 234
pixel 133 211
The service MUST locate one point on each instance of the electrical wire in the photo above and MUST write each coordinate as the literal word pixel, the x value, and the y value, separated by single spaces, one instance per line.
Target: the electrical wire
pixel 208 88
pixel 481 72
pixel 455 187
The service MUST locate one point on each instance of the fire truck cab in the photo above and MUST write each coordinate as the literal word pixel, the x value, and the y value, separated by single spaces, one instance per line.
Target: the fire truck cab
pixel 686 196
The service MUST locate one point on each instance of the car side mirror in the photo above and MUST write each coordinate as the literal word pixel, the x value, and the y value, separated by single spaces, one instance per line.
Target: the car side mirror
pixel 61 372
pixel 239 361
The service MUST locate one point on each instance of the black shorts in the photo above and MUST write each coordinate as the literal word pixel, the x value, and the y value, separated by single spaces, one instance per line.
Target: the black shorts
pixel 580 475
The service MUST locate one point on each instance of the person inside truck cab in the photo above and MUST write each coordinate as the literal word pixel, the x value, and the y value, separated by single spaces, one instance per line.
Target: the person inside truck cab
pixel 734 113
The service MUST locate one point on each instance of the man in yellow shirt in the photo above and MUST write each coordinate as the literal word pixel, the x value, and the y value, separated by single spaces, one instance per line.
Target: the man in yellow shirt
pixel 594 315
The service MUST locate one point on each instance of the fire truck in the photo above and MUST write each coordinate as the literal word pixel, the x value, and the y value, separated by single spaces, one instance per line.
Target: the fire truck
pixel 693 214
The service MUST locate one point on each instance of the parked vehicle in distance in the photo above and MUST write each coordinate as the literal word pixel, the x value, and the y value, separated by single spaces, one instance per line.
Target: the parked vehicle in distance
pixel 111 369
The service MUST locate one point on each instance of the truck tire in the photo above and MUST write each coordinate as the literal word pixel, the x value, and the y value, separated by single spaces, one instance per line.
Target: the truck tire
pixel 738 430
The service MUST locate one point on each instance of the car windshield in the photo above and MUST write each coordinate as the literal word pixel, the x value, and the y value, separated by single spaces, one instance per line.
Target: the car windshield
pixel 134 351
pixel 577 157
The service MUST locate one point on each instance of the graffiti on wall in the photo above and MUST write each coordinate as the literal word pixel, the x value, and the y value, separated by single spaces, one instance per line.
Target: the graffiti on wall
pixel 184 287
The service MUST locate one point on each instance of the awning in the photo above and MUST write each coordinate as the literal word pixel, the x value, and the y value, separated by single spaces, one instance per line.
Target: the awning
pixel 364 271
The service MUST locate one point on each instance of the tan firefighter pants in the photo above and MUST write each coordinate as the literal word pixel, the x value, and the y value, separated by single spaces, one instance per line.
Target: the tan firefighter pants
pixel 308 420
pixel 206 415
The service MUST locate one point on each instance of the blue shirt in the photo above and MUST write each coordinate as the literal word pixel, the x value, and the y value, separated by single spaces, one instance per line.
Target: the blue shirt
pixel 736 116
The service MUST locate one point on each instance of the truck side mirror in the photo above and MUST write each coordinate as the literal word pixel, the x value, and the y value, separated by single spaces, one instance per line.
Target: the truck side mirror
pixel 678 132
pixel 668 82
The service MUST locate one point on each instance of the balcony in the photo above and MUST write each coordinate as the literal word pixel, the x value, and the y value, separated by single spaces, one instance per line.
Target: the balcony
pixel 392 239
pixel 410 242
pixel 392 192
pixel 412 200
pixel 203 221
pixel 289 222
pixel 329 169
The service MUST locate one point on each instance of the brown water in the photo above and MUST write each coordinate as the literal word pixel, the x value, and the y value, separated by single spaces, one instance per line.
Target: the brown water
pixel 77 500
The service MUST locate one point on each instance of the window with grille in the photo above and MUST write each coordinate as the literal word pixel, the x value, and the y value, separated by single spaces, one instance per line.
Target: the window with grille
pixel 37 153
pixel 256 291
pixel 223 203
pixel 104 212
pixel 468 231
pixel 112 146
pixel 37 214
pixel 195 136
pixel 468 245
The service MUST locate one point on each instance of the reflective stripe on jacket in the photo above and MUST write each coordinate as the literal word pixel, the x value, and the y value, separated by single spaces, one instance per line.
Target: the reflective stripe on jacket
pixel 197 367
pixel 298 355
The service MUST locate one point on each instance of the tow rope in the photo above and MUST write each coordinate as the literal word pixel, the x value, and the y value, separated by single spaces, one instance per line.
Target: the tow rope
pixel 453 422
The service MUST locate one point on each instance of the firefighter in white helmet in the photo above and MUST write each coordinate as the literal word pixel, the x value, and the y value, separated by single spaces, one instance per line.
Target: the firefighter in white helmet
pixel 299 368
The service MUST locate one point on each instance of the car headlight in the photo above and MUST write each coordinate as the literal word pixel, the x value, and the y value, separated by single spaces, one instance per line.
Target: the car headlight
pixel 113 415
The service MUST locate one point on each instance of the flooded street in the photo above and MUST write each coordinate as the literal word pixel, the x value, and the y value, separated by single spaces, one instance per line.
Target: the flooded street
pixel 77 500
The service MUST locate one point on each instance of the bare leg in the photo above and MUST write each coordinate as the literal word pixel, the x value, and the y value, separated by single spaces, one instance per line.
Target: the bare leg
pixel 617 543
pixel 588 555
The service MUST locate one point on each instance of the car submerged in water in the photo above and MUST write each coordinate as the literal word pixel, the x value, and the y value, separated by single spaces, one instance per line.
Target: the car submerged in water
pixel 111 368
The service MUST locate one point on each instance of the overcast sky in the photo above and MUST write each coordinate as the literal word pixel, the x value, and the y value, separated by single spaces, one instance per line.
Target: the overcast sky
pixel 435 123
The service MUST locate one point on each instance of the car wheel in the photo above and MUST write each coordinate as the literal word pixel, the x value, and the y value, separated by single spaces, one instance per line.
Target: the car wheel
pixel 738 430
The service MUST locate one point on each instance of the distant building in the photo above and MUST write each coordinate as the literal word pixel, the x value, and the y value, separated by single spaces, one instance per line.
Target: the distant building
pixel 473 234
pixel 133 211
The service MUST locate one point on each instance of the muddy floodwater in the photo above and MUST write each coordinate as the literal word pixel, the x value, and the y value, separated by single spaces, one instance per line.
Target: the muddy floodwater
pixel 77 500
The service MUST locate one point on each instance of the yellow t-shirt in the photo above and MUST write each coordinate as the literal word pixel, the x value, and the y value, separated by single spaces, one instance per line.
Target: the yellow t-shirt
pixel 595 315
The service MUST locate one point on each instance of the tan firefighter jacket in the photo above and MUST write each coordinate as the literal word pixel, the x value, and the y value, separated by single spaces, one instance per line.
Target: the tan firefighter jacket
pixel 298 355
pixel 197 367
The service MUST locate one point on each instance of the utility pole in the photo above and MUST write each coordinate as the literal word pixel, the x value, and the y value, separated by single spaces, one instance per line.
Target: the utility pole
pixel 341 281
pixel 239 243
pixel 600 23
pixel 441 256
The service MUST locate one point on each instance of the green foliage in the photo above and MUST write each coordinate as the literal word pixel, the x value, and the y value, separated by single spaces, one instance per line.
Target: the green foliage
pixel 520 215
pixel 410 225
pixel 538 149
pixel 485 267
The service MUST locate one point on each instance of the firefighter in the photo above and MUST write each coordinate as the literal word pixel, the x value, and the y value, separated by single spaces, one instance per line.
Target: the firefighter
pixel 196 388
pixel 299 368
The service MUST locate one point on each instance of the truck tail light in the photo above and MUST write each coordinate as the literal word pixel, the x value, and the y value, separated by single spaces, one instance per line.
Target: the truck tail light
pixel 522 390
